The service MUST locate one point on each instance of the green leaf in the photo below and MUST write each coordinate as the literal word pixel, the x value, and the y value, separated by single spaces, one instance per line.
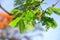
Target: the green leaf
pixel 29 16
pixel 44 3
pixel 15 21
pixel 29 26
pixel 16 12
pixel 37 10
pixel 48 22
pixel 28 4
pixel 56 11
pixel 49 11
pixel 21 26
pixel 54 24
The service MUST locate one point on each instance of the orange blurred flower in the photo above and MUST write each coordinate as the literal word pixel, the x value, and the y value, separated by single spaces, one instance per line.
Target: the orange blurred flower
pixel 4 19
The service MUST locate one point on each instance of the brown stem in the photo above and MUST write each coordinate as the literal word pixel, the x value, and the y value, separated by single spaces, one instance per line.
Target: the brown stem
pixel 5 10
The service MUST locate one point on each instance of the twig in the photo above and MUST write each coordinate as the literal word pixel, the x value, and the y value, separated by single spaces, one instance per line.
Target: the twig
pixel 5 10
pixel 53 5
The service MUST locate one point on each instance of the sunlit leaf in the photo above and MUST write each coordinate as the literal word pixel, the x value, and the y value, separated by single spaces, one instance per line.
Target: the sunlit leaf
pixel 14 22
pixel 49 11
pixel 56 11
pixel 29 26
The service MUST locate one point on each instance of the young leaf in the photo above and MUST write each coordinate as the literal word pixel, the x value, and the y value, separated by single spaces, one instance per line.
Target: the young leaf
pixel 49 11
pixel 15 21
pixel 21 26
pixel 29 26
pixel 16 12
pixel 56 11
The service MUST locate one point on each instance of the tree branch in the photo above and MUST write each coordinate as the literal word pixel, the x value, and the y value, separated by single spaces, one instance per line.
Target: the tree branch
pixel 53 5
pixel 5 10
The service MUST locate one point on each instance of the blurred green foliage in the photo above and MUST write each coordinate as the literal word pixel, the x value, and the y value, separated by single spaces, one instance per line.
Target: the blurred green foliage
pixel 25 12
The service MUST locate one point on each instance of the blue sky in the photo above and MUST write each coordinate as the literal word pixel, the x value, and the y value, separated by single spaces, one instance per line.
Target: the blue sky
pixel 52 34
